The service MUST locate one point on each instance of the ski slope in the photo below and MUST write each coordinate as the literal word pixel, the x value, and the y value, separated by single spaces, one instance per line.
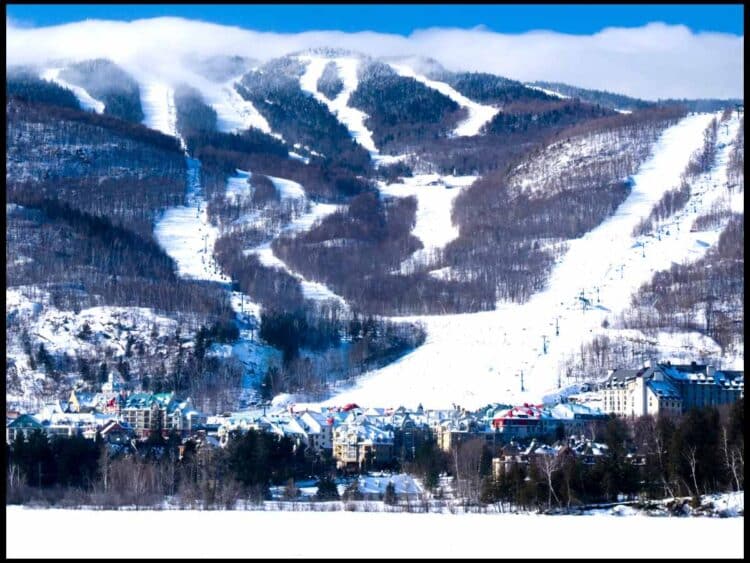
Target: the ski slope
pixel 478 113
pixel 188 236
pixel 88 103
pixel 474 359
pixel 160 113
pixel 433 227
pixel 548 92
pixel 352 118
pixel 237 186
pixel 234 113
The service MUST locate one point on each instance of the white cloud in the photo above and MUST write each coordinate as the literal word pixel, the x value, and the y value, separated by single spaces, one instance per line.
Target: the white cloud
pixel 653 61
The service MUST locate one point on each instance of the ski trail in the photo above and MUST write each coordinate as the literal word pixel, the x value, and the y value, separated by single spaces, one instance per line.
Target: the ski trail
pixel 187 235
pixel 475 359
pixel 233 112
pixel 352 118
pixel 159 110
pixel 478 113
pixel 548 92
pixel 433 226
pixel 289 190
pixel 88 103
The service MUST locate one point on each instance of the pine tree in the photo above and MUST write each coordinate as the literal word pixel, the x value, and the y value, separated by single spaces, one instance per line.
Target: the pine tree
pixel 390 494
pixel 327 489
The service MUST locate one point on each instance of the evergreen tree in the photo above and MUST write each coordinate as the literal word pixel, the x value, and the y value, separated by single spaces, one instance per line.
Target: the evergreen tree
pixel 390 494
pixel 327 489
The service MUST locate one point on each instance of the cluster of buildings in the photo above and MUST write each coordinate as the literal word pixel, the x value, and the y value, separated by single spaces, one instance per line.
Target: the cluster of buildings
pixel 370 438
pixel 358 438
pixel 138 415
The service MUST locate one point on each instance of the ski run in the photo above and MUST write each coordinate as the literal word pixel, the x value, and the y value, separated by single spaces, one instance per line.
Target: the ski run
pixel 88 103
pixel 478 114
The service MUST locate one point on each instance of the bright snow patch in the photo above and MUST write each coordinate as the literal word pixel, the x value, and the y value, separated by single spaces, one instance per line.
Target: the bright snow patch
pixel 435 195
pixel 548 92
pixel 87 102
pixel 234 113
pixel 478 114
pixel 160 113
pixel 188 236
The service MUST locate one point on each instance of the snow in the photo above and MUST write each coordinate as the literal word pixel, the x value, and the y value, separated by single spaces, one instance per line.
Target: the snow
pixel 262 534
pixel 234 113
pixel 87 102
pixel 472 359
pixel 548 92
pixel 352 118
pixel 478 113
pixel 289 190
pixel 187 235
pixel 435 195
pixel 160 113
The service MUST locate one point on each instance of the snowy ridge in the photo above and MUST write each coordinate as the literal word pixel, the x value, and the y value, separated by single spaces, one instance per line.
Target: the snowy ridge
pixel 87 102
pixel 472 359
pixel 435 195
pixel 478 114
pixel 187 235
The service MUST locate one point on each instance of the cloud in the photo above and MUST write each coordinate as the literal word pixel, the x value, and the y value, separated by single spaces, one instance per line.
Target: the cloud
pixel 653 61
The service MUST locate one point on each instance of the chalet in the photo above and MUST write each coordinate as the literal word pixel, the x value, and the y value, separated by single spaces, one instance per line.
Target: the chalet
pixel 81 401
pixel 24 424
pixel 357 443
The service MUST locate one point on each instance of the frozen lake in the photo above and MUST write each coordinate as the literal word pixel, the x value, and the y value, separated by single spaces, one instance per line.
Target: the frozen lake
pixel 374 534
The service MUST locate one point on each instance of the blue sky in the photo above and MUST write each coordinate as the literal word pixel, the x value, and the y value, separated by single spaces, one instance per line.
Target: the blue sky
pixel 403 19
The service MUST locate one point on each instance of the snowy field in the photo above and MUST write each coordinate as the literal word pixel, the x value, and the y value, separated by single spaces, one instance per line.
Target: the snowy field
pixel 340 534
pixel 88 103
pixel 473 359
pixel 478 114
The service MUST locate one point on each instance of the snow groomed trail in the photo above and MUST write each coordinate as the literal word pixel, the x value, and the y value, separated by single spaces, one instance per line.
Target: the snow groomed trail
pixel 188 236
pixel 288 190
pixel 435 195
pixel 352 118
pixel 88 103
pixel 478 113
pixel 475 359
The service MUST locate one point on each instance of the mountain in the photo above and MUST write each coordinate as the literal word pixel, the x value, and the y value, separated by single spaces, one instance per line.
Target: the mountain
pixel 244 228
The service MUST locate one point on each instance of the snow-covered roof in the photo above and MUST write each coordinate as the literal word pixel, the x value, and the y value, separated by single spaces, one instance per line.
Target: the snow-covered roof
pixel 664 389
pixel 376 483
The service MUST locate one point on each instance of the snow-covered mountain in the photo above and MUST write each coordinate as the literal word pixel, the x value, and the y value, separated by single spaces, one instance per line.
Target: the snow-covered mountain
pixel 352 230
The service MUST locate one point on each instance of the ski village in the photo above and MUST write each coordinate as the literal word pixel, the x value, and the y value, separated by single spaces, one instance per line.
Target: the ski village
pixel 312 279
